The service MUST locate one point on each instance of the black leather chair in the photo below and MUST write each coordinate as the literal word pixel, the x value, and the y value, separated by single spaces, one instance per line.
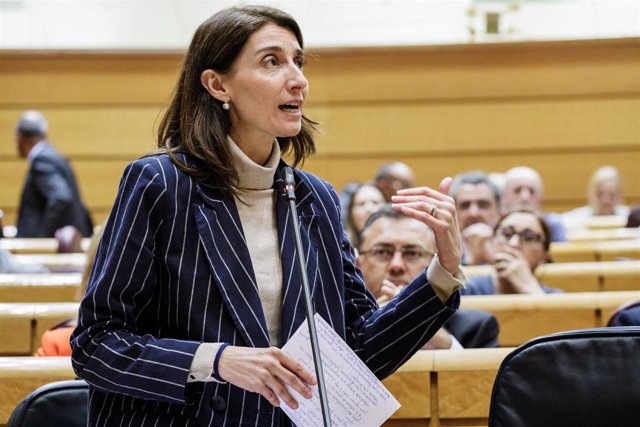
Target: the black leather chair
pixel 588 377
pixel 57 404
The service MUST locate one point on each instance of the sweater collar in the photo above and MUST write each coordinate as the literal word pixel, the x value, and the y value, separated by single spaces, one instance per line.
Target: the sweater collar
pixel 252 176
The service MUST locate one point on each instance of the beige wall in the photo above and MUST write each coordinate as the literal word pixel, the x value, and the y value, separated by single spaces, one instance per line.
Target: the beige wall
pixel 563 108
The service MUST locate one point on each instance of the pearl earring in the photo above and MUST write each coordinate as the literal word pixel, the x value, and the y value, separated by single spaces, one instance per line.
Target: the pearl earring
pixel 226 106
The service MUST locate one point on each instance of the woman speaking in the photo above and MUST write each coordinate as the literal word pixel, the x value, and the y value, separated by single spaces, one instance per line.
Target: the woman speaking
pixel 194 289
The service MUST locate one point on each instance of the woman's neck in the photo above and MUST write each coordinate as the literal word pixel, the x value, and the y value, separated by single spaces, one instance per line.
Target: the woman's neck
pixel 258 150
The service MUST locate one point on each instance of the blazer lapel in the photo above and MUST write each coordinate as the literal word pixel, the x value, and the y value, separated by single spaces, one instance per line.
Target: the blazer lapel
pixel 293 311
pixel 226 251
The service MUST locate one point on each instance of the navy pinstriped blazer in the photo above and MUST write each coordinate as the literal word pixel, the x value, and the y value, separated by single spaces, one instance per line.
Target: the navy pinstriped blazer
pixel 173 270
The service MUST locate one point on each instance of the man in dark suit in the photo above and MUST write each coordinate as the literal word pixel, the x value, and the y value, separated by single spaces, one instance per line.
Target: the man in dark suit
pixel 50 198
pixel 394 249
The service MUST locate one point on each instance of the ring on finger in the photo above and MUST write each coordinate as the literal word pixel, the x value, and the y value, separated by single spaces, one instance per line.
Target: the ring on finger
pixel 432 210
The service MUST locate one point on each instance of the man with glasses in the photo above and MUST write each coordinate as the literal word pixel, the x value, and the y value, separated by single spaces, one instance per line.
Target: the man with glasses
pixel 394 250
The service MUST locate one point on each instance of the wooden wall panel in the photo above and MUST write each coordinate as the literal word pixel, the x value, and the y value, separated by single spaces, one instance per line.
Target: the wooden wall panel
pixel 564 108
pixel 91 131
pixel 481 126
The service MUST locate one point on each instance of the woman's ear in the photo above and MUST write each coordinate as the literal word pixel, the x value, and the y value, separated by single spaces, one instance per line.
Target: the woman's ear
pixel 212 82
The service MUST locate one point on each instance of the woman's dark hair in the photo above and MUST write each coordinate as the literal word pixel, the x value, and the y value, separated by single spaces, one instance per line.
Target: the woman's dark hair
pixel 537 214
pixel 195 123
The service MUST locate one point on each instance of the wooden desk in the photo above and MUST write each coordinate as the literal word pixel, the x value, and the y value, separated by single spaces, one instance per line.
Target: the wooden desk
pixel 440 387
pixel 19 376
pixel 55 262
pixel 595 251
pixel 457 385
pixel 579 276
pixel 603 222
pixel 591 276
pixel 603 235
pixel 48 287
pixel 24 323
pixel 35 245
pixel 523 317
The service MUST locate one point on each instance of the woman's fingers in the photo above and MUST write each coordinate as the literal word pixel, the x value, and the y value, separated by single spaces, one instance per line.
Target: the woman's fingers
pixel 266 371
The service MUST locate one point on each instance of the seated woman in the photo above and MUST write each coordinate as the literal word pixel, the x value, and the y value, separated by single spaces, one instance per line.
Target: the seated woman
pixel 605 198
pixel 365 200
pixel 520 244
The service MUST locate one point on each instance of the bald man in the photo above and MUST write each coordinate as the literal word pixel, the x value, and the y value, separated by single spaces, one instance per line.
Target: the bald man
pixel 392 177
pixel 523 186
pixel 50 198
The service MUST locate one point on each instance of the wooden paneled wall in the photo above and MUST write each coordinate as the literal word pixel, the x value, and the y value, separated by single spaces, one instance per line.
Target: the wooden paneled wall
pixel 564 108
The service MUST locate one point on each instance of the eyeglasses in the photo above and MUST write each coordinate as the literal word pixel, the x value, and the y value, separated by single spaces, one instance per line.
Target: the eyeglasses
pixel 384 254
pixel 527 236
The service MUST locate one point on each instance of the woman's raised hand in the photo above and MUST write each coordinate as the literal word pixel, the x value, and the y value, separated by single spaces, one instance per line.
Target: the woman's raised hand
pixel 266 371
pixel 438 211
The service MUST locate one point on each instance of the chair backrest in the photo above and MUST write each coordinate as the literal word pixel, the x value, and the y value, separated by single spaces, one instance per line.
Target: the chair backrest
pixel 57 404
pixel 578 378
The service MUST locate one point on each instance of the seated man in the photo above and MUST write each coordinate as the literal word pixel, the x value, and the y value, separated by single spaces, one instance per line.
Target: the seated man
pixel 523 186
pixel 392 177
pixel 521 243
pixel 395 249
pixel 478 205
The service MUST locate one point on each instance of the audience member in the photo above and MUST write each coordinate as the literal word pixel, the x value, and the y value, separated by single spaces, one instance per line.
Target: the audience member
pixel 365 200
pixel 634 217
pixel 55 341
pixel 523 186
pixel 521 243
pixel 477 203
pixel 604 194
pixel 395 248
pixel 392 177
pixel 50 198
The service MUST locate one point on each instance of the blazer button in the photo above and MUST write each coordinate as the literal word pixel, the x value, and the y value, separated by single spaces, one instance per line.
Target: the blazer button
pixel 218 403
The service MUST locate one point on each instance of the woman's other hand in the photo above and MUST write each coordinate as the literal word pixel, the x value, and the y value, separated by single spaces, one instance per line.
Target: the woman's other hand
pixel 438 211
pixel 266 371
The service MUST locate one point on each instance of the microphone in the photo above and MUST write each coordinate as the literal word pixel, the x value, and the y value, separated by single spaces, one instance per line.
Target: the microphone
pixel 290 195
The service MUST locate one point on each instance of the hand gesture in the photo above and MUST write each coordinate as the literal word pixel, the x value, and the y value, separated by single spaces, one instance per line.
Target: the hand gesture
pixel 478 244
pixel 266 371
pixel 438 211
pixel 388 291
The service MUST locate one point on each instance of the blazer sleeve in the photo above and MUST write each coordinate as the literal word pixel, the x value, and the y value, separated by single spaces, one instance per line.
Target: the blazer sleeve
pixel 110 350
pixel 384 338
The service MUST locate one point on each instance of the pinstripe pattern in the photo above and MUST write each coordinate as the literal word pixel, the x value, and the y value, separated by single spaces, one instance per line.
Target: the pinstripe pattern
pixel 173 270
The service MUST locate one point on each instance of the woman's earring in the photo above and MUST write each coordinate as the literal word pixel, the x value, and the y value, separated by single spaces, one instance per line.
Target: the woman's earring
pixel 226 106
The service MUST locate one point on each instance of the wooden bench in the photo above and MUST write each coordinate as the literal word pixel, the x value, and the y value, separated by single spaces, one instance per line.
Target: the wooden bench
pixel 55 262
pixel 35 245
pixel 523 317
pixel 595 251
pixel 600 235
pixel 440 387
pixel 24 323
pixel 580 276
pixel 602 222
pixel 19 376
pixel 48 287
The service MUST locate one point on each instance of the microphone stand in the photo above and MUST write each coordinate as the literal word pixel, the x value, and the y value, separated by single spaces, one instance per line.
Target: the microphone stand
pixel 290 195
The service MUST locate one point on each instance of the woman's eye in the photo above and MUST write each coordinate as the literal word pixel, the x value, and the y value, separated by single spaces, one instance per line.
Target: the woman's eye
pixel 300 63
pixel 271 61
